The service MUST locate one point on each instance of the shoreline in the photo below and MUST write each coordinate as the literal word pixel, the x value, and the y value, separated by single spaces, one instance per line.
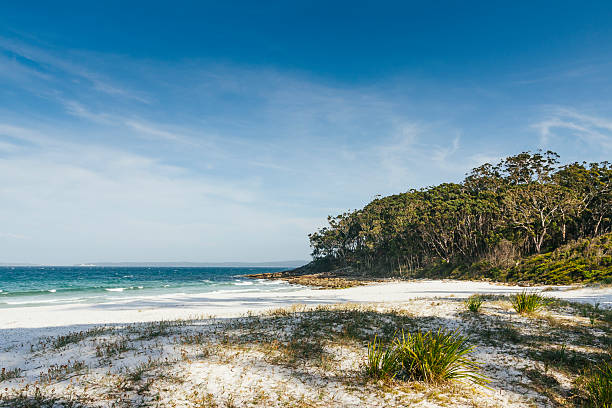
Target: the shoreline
pixel 238 304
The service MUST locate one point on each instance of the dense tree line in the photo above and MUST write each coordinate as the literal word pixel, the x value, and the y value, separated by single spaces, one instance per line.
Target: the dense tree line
pixel 525 204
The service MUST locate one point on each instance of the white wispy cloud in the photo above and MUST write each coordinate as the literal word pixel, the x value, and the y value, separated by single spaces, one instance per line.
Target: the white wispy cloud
pixel 150 130
pixel 589 129
pixel 36 62
pixel 76 109
pixel 574 70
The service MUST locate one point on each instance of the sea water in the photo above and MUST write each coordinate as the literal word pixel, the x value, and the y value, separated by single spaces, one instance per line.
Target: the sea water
pixel 48 285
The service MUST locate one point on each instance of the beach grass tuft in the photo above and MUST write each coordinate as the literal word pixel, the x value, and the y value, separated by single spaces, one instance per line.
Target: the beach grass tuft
pixel 473 303
pixel 528 302
pixel 76 337
pixel 434 357
pixel 110 348
pixel 598 386
pixel 382 362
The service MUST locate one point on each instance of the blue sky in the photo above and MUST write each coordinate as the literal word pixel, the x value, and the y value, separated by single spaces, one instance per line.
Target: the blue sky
pixel 227 131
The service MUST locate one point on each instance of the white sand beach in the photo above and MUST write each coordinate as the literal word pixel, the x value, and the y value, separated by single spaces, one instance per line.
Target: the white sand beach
pixel 304 348
pixel 182 306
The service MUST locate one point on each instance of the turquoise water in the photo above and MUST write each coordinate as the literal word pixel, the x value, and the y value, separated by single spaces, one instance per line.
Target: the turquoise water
pixel 35 286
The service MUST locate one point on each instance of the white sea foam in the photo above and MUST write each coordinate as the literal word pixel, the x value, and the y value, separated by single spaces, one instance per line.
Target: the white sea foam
pixel 271 282
pixel 52 290
pixel 115 289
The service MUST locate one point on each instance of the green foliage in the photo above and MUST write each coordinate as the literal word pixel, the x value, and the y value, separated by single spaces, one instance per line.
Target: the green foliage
pixel 433 357
pixel 528 302
pixel 382 363
pixel 436 357
pixel 473 303
pixel 585 260
pixel 598 386
pixel 526 205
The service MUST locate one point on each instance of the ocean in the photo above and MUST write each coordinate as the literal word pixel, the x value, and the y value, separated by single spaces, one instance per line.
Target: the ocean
pixel 52 285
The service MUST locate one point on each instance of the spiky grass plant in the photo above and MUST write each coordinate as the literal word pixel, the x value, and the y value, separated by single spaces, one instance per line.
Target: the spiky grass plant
pixel 473 303
pixel 382 362
pixel 433 357
pixel 598 386
pixel 528 302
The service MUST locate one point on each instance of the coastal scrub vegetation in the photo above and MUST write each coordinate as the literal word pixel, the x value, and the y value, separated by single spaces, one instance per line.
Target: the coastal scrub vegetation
pixel 526 218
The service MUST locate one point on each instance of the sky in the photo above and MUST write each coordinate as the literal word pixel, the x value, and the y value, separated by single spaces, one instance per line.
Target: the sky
pixel 228 131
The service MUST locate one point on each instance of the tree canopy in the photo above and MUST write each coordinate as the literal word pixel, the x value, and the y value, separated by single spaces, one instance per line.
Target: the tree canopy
pixel 500 213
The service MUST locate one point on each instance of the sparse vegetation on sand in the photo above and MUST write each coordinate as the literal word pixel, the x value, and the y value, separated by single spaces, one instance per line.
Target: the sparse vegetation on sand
pixel 9 374
pixel 330 356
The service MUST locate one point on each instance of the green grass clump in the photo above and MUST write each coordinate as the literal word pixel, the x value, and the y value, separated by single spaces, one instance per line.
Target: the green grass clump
pixel 381 363
pixel 599 386
pixel 528 302
pixel 436 357
pixel 433 357
pixel 473 303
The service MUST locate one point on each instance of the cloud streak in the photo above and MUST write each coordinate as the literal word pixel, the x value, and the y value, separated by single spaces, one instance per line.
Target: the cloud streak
pixel 588 129
pixel 40 64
